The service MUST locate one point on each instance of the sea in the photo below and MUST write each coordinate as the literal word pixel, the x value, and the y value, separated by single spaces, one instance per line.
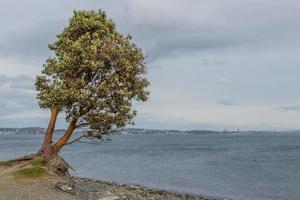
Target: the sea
pixel 225 166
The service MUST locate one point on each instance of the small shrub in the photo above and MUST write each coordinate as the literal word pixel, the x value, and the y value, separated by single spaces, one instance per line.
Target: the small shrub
pixel 32 172
pixel 38 161
pixel 5 164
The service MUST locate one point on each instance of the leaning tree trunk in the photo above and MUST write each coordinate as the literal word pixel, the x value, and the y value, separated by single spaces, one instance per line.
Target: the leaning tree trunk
pixel 65 138
pixel 57 164
pixel 48 149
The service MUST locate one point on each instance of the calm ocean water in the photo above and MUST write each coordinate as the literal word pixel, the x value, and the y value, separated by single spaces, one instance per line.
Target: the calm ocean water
pixel 238 167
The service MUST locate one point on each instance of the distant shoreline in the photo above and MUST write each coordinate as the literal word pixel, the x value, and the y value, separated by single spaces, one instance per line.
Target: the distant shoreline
pixel 140 131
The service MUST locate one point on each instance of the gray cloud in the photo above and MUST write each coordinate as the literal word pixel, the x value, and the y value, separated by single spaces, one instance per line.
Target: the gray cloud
pixel 289 108
pixel 151 122
pixel 19 82
pixel 223 81
pixel 30 44
pixel 17 94
pixel 164 30
pixel 206 51
pixel 227 103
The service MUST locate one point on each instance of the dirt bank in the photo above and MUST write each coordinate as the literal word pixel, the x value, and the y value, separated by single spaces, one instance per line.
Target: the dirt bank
pixel 49 187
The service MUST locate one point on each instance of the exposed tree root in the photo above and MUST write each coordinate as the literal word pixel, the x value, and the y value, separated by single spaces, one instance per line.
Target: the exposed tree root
pixel 58 165
pixel 24 158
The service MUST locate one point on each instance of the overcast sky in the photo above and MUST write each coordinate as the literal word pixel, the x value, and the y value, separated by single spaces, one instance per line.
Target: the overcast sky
pixel 212 64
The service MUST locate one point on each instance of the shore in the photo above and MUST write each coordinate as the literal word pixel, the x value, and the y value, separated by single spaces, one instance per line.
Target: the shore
pixel 48 187
pixel 95 189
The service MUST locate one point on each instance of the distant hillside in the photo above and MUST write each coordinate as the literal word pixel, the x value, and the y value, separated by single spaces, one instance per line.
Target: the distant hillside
pixel 24 131
pixel 139 131
pixel 202 132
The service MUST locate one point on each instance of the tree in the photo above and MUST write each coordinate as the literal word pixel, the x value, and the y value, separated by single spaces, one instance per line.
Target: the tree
pixel 94 77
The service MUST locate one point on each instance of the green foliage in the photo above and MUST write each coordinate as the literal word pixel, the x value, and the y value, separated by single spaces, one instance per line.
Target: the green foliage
pixel 31 172
pixel 95 75
pixel 5 164
pixel 38 161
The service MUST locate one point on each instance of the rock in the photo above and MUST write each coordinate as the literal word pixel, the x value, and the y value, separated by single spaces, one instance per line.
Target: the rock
pixel 110 198
pixel 84 190
pixel 88 189
pixel 64 187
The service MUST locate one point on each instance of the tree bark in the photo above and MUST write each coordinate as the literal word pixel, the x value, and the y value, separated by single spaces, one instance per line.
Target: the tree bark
pixel 65 138
pixel 48 149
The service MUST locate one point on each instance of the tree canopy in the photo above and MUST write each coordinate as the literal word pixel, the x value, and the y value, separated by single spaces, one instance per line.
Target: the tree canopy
pixel 95 74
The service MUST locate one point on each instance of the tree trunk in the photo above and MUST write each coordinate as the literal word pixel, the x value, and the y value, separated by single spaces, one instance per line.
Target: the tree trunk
pixel 65 138
pixel 47 149
pixel 55 163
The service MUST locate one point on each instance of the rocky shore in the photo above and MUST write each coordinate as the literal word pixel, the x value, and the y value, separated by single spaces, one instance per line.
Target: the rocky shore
pixel 88 189
pixel 29 181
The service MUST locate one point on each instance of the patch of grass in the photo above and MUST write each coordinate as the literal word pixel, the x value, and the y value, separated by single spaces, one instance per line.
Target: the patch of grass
pixel 5 164
pixel 31 172
pixel 38 161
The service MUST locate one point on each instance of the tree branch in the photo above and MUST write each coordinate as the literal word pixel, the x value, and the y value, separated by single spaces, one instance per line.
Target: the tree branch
pixel 65 138
pixel 85 135
pixel 81 125
pixel 76 140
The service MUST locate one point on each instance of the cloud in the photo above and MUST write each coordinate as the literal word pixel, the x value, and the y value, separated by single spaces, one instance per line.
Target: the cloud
pixel 14 67
pixel 289 108
pixel 163 30
pixel 18 103
pixel 17 94
pixel 198 48
pixel 30 44
pixel 175 27
pixel 227 103
pixel 223 81
pixel 152 121
pixel 21 83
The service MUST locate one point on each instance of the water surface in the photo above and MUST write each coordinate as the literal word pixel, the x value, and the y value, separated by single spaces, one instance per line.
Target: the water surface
pixel 238 167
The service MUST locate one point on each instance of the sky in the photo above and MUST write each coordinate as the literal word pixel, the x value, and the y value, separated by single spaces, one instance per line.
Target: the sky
pixel 213 64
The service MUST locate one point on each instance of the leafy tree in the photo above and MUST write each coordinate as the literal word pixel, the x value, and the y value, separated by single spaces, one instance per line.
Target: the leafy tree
pixel 94 77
